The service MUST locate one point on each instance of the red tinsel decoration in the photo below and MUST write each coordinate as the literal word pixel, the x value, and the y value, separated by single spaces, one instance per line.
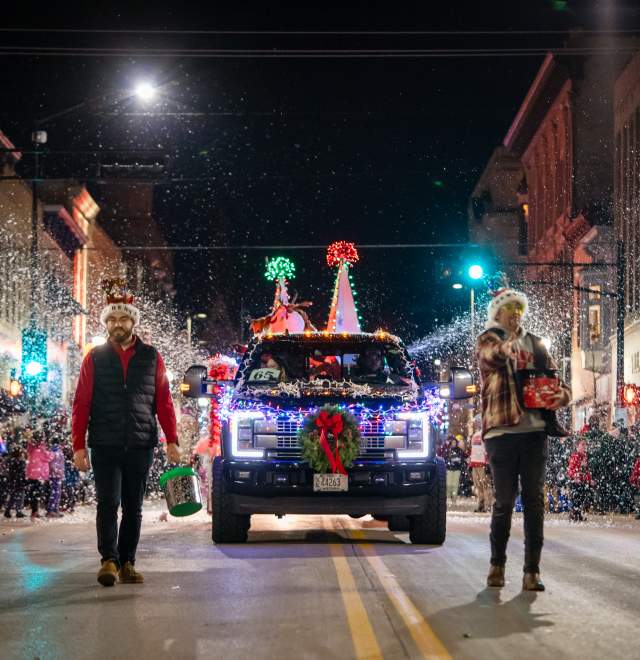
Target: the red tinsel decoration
pixel 216 372
pixel 342 251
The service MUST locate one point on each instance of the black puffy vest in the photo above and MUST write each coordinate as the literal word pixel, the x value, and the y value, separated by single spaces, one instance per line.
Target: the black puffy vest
pixel 123 414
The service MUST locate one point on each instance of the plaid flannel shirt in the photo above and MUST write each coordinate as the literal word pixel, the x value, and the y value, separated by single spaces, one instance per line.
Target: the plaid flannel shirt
pixel 500 403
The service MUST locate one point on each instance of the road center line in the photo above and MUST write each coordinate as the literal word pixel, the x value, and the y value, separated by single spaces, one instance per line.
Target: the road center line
pixel 427 641
pixel 364 639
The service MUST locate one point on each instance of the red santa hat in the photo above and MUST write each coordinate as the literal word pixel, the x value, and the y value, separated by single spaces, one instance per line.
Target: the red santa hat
pixel 119 301
pixel 501 298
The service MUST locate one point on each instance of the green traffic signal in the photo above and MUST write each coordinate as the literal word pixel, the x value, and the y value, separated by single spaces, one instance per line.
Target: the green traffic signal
pixel 34 356
pixel 476 272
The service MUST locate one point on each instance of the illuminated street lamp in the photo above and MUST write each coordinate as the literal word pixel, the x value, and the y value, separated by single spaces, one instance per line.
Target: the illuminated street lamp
pixel 145 91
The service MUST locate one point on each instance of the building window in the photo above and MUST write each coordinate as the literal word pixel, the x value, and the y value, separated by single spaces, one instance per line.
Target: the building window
pixel 595 323
pixel 635 362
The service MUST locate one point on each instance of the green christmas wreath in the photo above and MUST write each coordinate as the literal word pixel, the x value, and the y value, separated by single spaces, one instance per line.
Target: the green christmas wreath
pixel 330 439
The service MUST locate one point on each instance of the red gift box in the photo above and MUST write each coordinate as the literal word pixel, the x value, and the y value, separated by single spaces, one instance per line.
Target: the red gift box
pixel 538 391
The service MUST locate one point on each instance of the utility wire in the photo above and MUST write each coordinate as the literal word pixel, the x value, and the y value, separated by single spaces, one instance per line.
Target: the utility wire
pixel 311 32
pixel 222 53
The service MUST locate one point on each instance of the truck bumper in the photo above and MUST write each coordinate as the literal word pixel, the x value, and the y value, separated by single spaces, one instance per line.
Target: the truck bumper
pixel 376 487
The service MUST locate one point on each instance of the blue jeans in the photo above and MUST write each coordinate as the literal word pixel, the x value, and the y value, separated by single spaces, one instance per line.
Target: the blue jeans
pixel 55 490
pixel 121 480
pixel 514 455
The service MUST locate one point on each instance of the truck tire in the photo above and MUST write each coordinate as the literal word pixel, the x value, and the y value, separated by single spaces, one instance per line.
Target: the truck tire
pixel 226 526
pixel 431 527
pixel 399 523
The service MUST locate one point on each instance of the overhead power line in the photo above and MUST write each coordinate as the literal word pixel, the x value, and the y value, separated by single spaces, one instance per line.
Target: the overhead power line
pixel 312 32
pixel 307 53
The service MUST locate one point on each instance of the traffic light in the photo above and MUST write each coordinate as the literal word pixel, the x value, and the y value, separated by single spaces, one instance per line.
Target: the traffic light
pixel 34 356
pixel 475 271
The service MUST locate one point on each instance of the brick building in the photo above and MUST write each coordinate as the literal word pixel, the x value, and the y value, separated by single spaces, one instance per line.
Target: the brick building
pixel 67 268
pixel 562 137
pixel 626 111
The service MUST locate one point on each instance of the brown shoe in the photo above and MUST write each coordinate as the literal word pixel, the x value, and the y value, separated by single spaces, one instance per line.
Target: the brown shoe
pixel 532 582
pixel 108 573
pixel 129 575
pixel 496 576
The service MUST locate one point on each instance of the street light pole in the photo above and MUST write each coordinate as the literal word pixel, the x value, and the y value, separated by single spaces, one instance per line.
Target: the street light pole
pixel 473 315
pixel 38 138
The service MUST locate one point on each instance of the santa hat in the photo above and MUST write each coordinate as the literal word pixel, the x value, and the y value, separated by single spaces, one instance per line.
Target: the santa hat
pixel 501 298
pixel 118 301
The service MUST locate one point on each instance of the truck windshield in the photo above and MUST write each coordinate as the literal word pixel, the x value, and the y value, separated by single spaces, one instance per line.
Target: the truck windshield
pixel 288 361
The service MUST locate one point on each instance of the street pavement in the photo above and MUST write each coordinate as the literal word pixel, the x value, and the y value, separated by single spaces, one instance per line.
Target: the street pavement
pixel 318 587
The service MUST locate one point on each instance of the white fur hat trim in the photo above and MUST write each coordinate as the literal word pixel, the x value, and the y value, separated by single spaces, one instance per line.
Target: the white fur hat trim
pixel 120 308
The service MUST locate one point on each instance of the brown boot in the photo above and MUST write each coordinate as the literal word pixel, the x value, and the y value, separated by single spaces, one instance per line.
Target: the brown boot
pixel 496 576
pixel 129 575
pixel 532 582
pixel 108 573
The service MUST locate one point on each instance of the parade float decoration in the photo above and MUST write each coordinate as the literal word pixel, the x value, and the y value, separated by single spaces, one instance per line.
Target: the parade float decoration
pixel 287 315
pixel 330 440
pixel 343 314
pixel 221 368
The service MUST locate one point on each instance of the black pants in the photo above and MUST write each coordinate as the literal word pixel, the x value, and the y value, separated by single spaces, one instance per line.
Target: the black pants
pixel 36 494
pixel 121 478
pixel 514 455
pixel 580 499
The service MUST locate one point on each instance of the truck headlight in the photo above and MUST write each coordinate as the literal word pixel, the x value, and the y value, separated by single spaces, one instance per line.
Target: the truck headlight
pixel 417 435
pixel 241 429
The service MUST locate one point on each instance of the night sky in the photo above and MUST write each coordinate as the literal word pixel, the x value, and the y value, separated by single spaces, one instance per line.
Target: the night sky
pixel 300 151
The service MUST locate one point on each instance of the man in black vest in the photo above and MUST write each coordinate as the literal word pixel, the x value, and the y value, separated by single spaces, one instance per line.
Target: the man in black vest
pixel 122 386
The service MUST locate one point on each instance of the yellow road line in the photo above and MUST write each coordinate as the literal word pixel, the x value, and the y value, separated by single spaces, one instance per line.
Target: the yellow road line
pixel 426 640
pixel 364 639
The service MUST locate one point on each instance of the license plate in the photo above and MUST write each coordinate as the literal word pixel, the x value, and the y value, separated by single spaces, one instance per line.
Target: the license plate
pixel 330 482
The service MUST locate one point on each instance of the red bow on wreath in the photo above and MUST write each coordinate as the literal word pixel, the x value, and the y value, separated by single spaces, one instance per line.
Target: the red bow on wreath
pixel 331 424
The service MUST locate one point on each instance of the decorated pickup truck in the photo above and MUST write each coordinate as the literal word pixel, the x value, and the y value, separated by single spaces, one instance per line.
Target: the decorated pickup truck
pixel 329 422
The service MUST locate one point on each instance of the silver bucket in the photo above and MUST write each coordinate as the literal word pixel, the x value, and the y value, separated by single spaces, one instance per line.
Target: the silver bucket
pixel 182 491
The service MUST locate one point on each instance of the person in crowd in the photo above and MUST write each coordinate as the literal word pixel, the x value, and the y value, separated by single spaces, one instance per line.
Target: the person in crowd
pixel 580 481
pixel 122 387
pixel 4 480
pixel 634 481
pixel 453 457
pixel 466 479
pixel 478 464
pixel 37 470
pixel 56 479
pixel 16 481
pixel 516 438
pixel 71 482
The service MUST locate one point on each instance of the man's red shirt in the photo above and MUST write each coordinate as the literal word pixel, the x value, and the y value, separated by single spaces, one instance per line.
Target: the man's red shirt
pixel 84 394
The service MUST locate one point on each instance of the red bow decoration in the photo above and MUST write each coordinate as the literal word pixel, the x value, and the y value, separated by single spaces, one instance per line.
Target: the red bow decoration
pixel 331 424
